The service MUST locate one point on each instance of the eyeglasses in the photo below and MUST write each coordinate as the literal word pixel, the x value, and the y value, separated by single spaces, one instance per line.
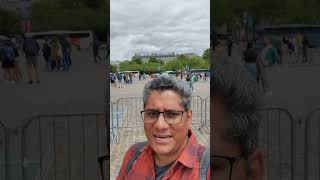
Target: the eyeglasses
pixel 104 166
pixel 170 116
pixel 223 165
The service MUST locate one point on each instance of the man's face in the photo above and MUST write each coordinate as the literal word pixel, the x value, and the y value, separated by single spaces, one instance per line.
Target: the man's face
pixel 166 139
pixel 223 145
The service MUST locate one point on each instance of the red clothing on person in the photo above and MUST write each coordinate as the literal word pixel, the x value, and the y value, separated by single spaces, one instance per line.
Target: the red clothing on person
pixel 185 167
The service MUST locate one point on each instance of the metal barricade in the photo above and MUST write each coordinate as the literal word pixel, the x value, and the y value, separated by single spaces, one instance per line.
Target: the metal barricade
pixel 3 152
pixel 276 137
pixel 63 146
pixel 312 145
pixel 127 114
pixel 205 123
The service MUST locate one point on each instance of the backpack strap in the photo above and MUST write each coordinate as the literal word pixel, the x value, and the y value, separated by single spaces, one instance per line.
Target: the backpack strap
pixel 204 164
pixel 135 155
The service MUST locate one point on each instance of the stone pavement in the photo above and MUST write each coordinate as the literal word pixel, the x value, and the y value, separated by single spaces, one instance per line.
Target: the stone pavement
pixel 129 136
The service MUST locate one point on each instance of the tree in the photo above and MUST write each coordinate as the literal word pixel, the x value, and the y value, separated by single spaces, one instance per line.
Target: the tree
pixel 70 15
pixel 113 68
pixel 154 60
pixel 206 54
pixel 10 22
pixel 137 60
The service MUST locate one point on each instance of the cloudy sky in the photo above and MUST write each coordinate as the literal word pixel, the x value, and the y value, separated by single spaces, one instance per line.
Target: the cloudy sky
pixel 158 26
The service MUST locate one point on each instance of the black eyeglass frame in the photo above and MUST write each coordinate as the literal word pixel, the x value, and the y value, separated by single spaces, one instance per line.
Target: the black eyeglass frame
pixel 231 160
pixel 162 112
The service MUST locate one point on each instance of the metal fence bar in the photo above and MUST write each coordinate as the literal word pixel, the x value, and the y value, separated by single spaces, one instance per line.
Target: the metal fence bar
pixel 39 144
pixel 280 111
pixel 308 126
pixel 3 129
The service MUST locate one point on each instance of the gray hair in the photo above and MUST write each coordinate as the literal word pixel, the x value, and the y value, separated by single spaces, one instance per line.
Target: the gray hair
pixel 238 92
pixel 163 83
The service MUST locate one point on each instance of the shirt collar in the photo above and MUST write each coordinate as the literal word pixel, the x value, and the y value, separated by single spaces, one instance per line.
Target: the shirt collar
pixel 188 156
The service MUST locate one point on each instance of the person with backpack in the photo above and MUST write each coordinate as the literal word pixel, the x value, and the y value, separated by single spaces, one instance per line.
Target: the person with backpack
pixel 7 57
pixel 55 54
pixel 171 150
pixel 31 50
pixel 269 57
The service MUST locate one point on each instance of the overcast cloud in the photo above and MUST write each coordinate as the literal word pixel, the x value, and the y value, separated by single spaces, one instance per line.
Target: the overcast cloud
pixel 158 26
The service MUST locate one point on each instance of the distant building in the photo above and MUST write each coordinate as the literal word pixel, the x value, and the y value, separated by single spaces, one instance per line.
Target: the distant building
pixel 162 57
pixel 115 62
pixel 189 55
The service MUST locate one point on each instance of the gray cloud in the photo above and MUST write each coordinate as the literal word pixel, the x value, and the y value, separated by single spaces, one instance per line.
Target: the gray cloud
pixel 158 26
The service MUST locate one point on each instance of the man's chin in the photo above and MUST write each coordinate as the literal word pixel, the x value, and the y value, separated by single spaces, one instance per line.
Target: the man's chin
pixel 161 149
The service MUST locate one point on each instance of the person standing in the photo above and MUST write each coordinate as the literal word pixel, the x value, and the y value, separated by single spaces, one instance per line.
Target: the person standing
pixel 46 53
pixel 65 47
pixel 31 50
pixel 250 59
pixel 305 46
pixel 119 77
pixel 7 57
pixel 269 56
pixel 55 54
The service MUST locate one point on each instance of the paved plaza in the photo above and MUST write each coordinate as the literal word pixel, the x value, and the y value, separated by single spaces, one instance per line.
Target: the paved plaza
pixel 129 136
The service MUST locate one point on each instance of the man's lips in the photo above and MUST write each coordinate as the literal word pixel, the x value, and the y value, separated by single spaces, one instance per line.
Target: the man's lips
pixel 162 136
pixel 162 139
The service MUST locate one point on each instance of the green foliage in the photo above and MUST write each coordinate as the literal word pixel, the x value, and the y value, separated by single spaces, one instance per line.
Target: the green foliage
pixel 136 60
pixel 206 54
pixel 176 64
pixel 10 22
pixel 272 11
pixel 69 15
pixel 113 68
pixel 155 60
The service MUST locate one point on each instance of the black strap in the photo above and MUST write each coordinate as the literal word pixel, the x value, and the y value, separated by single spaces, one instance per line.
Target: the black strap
pixel 204 164
pixel 135 155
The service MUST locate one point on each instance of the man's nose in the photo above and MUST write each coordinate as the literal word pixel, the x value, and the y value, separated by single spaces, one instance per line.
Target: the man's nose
pixel 161 122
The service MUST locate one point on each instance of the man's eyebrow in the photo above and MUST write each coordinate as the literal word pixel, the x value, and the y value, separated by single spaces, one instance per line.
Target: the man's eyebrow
pixel 152 109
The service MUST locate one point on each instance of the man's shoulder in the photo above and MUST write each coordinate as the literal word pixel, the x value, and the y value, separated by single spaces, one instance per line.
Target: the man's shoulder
pixel 136 148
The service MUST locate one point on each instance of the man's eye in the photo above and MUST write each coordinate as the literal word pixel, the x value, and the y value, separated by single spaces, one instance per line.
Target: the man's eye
pixel 172 114
pixel 152 113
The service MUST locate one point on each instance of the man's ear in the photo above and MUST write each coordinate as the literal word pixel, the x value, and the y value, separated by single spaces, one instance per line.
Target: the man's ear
pixel 256 165
pixel 189 117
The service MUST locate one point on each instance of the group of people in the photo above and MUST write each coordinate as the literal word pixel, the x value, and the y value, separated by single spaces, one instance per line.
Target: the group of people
pixel 10 50
pixel 117 79
pixel 263 53
pixel 55 51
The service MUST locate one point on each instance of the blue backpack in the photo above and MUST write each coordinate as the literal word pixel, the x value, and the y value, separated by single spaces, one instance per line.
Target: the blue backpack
pixel 7 54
